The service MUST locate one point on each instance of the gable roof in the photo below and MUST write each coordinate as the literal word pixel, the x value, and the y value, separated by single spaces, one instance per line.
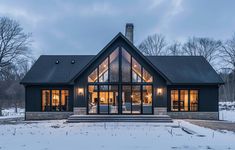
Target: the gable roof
pixel 186 69
pixel 120 35
pixel 46 71
pixel 174 69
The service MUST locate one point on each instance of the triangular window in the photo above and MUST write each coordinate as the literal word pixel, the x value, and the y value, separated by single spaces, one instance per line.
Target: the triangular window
pixel 131 70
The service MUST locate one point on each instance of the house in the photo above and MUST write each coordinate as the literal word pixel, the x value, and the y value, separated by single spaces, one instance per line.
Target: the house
pixel 121 80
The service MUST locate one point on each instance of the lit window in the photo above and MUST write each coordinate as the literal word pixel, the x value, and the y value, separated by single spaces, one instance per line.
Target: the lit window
pixel 193 100
pixel 174 100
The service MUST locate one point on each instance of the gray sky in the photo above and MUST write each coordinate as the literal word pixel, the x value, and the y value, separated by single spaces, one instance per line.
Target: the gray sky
pixel 85 27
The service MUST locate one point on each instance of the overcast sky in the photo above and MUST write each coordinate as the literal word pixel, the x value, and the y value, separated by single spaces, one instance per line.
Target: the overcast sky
pixel 85 27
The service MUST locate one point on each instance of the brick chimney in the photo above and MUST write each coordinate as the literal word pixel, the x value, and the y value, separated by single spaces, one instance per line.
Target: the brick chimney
pixel 129 33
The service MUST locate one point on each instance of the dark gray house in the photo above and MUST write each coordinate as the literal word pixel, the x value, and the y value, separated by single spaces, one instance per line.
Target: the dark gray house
pixel 120 80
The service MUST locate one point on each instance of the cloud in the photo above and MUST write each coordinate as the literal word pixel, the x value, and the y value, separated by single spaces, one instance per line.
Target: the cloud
pixel 19 13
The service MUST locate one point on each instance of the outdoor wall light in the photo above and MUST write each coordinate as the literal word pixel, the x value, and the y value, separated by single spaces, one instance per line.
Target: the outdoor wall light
pixel 80 91
pixel 159 91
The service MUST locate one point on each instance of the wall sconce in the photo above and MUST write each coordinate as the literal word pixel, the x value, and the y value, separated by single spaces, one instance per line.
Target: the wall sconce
pixel 159 91
pixel 80 91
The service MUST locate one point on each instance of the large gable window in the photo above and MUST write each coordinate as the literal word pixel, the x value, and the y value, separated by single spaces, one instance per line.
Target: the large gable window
pixel 131 69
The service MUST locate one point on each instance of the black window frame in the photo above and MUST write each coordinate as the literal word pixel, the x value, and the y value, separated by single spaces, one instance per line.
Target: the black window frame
pixel 60 107
pixel 187 89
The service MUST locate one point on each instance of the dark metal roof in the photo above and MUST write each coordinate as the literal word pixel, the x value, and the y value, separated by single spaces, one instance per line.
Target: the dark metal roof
pixel 55 69
pixel 186 69
pixel 178 69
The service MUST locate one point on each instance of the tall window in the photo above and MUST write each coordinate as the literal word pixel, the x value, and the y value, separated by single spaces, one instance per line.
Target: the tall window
pixel 55 100
pixel 126 66
pixel 184 100
pixel 114 66
pixel 194 100
pixel 46 100
pixel 174 100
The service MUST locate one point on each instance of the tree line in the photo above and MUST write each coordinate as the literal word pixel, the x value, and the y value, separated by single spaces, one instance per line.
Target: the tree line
pixel 16 59
pixel 220 54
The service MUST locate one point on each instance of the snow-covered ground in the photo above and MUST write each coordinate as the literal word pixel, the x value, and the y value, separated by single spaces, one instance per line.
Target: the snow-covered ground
pixel 10 113
pixel 227 111
pixel 58 135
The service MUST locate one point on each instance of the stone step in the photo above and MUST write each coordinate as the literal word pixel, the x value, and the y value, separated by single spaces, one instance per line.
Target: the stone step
pixel 119 118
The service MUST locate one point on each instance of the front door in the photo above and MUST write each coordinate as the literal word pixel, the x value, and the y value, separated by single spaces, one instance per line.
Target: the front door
pixel 133 99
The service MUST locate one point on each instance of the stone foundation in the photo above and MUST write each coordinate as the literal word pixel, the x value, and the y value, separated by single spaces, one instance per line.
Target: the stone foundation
pixel 79 111
pixel 47 115
pixel 160 110
pixel 194 115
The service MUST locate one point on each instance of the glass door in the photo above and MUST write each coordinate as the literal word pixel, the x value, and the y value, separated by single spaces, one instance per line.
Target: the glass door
pixel 103 99
pixel 113 99
pixel 136 99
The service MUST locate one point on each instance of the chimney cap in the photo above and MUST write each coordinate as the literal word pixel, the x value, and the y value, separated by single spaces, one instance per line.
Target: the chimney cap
pixel 129 25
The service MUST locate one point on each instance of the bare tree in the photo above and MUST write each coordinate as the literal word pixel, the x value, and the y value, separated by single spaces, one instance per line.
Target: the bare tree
pixel 13 42
pixel 175 49
pixel 153 45
pixel 228 52
pixel 207 47
pixel 14 49
pixel 228 55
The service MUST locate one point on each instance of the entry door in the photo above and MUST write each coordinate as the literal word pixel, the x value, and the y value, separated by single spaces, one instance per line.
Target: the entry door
pixel 108 99
pixel 131 99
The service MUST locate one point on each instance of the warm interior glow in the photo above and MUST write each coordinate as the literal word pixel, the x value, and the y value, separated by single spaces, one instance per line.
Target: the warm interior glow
pixel 159 91
pixel 80 91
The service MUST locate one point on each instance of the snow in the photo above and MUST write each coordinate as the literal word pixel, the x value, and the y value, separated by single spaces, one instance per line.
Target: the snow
pixel 227 111
pixel 10 113
pixel 57 134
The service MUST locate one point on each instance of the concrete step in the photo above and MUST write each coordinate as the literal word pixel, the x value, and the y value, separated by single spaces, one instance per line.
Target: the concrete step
pixel 119 118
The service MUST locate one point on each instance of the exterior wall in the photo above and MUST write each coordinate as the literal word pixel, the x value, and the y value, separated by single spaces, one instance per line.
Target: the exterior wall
pixel 194 115
pixel 46 115
pixel 208 96
pixel 33 102
pixel 79 110
pixel 207 104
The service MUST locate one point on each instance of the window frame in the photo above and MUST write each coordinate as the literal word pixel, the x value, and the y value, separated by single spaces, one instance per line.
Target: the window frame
pixel 179 98
pixel 60 106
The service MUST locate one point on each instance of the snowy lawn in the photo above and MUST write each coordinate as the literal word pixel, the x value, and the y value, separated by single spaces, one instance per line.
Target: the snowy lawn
pixel 10 113
pixel 58 135
pixel 228 115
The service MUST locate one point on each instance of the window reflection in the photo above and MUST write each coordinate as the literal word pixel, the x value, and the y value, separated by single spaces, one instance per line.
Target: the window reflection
pixel 114 66
pixel 136 71
pixel 184 100
pixel 147 99
pixel 93 76
pixel 64 100
pixel 174 100
pixel 46 100
pixel 146 76
pixel 103 71
pixel 92 99
pixel 193 100
pixel 126 66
